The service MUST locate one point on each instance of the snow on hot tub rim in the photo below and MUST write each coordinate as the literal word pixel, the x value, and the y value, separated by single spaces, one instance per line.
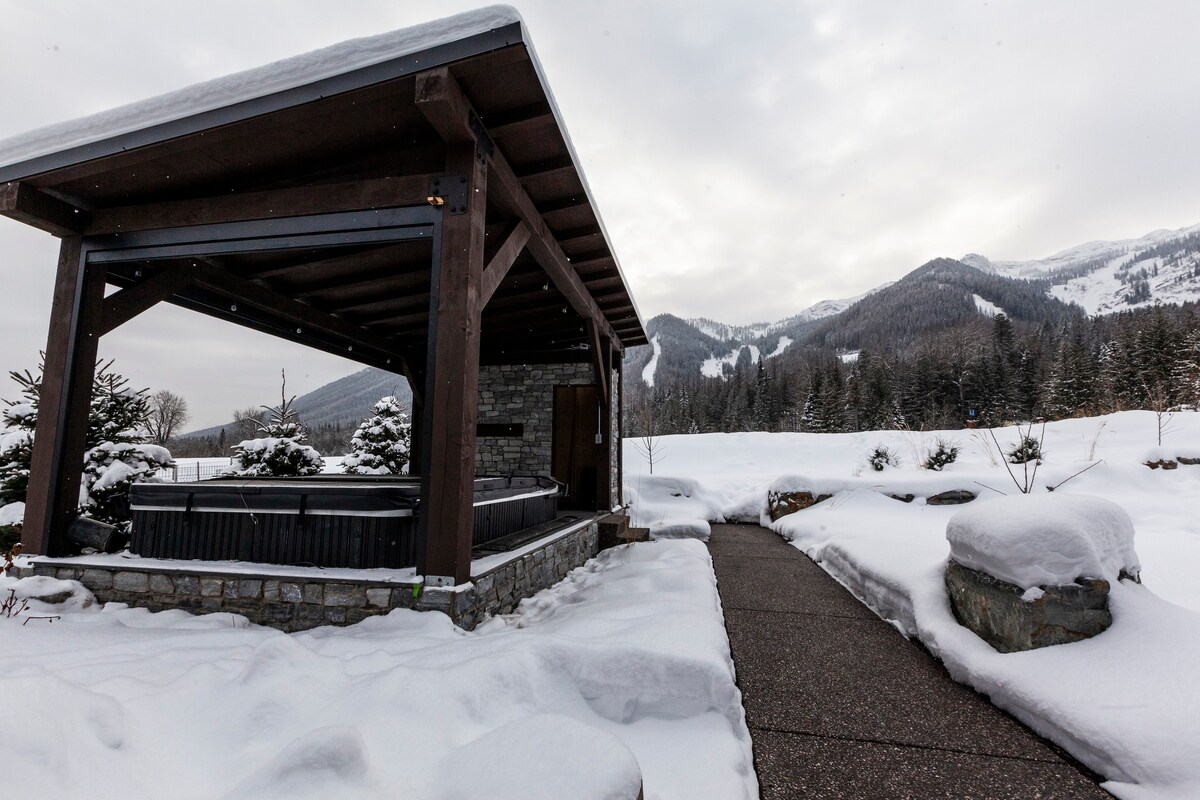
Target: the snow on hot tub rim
pixel 1051 539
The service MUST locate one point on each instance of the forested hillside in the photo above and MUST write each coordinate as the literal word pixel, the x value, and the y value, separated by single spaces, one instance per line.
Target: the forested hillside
pixel 1004 370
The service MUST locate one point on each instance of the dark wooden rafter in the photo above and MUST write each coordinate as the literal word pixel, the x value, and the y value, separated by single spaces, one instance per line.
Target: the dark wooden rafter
pixel 398 277
pixel 550 166
pixel 455 120
pixel 383 308
pixel 501 261
pixel 126 304
pixel 32 206
pixel 598 347
pixel 214 277
pixel 519 120
pixel 307 267
pixel 408 190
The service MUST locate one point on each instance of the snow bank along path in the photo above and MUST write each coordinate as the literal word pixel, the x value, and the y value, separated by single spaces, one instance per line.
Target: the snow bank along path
pixel 625 661
pixel 1126 702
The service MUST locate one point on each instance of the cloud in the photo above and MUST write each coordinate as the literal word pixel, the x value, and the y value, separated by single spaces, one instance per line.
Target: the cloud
pixel 748 159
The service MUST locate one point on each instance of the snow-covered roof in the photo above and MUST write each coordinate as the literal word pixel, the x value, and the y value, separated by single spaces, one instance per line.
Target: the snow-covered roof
pixel 280 76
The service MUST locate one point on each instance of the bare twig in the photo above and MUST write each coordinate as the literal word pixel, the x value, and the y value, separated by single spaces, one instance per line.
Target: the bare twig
pixel 1004 460
pixel 997 491
pixel 1076 475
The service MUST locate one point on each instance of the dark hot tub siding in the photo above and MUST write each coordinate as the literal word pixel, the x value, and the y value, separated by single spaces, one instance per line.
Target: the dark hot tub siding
pixel 227 531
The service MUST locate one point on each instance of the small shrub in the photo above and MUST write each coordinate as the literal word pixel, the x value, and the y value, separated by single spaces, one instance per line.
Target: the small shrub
pixel 1029 448
pixel 9 536
pixel 944 453
pixel 881 457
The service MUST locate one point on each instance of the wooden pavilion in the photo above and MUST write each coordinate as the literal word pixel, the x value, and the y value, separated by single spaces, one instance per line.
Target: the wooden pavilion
pixel 409 201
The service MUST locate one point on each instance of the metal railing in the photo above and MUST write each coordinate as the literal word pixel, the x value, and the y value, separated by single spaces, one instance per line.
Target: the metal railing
pixel 193 472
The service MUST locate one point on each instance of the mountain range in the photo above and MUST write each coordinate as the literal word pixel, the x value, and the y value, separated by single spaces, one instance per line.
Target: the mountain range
pixel 945 294
pixel 1103 277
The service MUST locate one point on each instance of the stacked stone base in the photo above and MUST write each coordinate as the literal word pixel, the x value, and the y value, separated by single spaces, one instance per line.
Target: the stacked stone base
pixel 298 603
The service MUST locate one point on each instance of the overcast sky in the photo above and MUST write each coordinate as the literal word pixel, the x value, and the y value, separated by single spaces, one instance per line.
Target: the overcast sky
pixel 749 158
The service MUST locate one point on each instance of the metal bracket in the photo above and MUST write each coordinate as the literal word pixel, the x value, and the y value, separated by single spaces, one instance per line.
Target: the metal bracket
pixel 483 140
pixel 452 189
pixel 439 581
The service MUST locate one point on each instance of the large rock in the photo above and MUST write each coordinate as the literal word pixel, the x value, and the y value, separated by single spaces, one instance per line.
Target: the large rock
pixel 1012 619
pixel 783 503
pixel 952 498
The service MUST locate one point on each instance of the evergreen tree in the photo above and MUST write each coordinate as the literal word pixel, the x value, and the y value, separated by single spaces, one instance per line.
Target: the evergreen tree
pixel 381 444
pixel 117 455
pixel 279 450
pixel 1186 371
pixel 16 443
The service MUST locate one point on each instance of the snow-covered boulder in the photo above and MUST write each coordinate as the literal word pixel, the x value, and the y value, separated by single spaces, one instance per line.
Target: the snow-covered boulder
pixel 1035 570
pixel 1044 539
pixel 788 494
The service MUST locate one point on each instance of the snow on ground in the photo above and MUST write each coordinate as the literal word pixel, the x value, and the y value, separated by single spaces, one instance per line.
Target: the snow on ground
pixel 784 343
pixel 625 659
pixel 1126 702
pixel 986 307
pixel 648 370
pixel 849 357
pixel 714 366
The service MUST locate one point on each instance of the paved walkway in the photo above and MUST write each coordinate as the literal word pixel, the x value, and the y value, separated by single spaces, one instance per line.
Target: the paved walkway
pixel 840 705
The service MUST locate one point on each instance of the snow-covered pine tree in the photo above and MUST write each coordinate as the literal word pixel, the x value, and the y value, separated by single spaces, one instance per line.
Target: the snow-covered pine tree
pixel 381 444
pixel 279 450
pixel 16 441
pixel 1187 370
pixel 118 455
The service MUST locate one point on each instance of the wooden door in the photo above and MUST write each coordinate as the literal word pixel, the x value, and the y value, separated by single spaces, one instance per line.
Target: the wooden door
pixel 576 459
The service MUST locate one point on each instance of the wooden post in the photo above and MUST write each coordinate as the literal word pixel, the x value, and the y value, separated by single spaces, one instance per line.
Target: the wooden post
pixel 619 359
pixel 452 380
pixel 416 429
pixel 60 437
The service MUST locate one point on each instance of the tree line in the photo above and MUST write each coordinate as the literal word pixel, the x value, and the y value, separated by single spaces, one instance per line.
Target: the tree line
pixel 990 371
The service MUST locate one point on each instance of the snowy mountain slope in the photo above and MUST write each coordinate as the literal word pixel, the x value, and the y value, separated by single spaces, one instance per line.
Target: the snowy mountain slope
pixel 1077 255
pixel 1104 277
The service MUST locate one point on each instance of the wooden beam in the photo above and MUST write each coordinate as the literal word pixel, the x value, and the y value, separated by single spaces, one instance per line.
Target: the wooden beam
pixel 521 119
pixel 562 203
pixel 452 359
pixel 61 435
pixel 510 196
pixel 442 101
pixel 500 263
pixel 382 308
pixel 405 190
pixel 594 341
pixel 401 277
pixel 305 267
pixel 547 167
pixel 126 304
pixel 214 277
pixel 24 203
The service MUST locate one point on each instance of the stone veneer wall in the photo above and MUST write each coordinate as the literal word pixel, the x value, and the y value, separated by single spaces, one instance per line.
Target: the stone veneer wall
pixel 614 437
pixel 299 603
pixel 522 394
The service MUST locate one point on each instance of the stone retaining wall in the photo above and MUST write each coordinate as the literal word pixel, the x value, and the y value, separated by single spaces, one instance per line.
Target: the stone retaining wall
pixel 299 603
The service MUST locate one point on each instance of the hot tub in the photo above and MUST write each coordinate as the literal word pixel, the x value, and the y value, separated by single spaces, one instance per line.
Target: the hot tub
pixel 326 520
